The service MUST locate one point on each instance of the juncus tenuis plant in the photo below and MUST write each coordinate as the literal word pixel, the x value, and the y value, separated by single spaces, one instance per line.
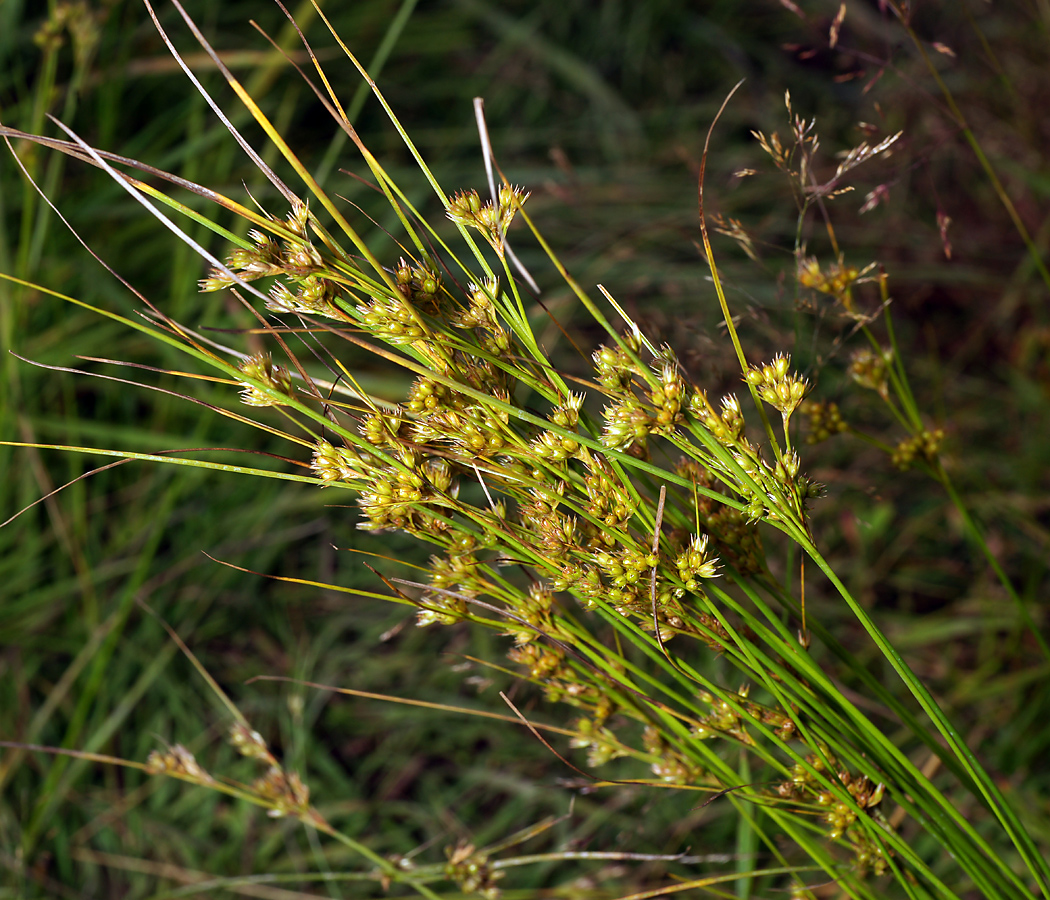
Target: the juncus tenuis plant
pixel 615 527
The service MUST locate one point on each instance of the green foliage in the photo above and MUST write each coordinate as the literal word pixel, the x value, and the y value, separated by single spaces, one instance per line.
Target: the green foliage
pixel 641 544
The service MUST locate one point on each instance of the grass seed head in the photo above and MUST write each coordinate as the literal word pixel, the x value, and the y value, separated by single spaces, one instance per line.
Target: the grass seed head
pixel 262 368
pixel 177 760
pixel 825 420
pixel 492 220
pixel 777 385
pixel 870 370
pixel 285 792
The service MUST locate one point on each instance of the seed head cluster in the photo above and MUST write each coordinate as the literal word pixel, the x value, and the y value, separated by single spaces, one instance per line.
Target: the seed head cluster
pixel 530 494
pixel 276 382
pixel 778 385
pixel 491 219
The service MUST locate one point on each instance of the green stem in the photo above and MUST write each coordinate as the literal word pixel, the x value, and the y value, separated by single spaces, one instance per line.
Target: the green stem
pixel 1036 862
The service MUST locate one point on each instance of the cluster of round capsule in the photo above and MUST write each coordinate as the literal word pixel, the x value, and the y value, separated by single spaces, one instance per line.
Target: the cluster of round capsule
pixel 836 281
pixel 841 815
pixel 739 540
pixel 391 495
pixel 609 500
pixel 391 320
pixel 389 498
pixel 626 566
pixel 285 791
pixel 542 661
pixel 925 445
pixel 825 420
pixel 426 395
pixel 276 380
pixel 695 562
pixel 534 611
pixel 331 463
pixel 723 720
pixel 601 744
pixel 473 432
pixel 471 872
pixel 454 580
pixel 782 724
pixel 727 426
pixel 556 533
pixel 669 766
pixel 481 312
pixel 867 855
pixel 491 219
pixel 667 399
pixel 382 429
pixel 556 448
pixel 315 297
pixel 627 422
pixel 418 284
pixel 871 370
pixel 778 385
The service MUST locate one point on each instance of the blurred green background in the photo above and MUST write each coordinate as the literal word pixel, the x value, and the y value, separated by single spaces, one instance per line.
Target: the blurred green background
pixel 601 109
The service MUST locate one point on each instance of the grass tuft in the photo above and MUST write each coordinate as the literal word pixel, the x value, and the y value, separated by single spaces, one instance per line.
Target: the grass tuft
pixel 802 629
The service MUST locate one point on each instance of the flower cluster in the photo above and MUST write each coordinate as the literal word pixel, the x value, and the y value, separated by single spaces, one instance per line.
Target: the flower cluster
pixel 601 743
pixel 617 367
pixel 470 870
pixel 177 761
pixel 331 463
pixel 555 447
pixel 453 582
pixel 285 791
pixel 667 398
pixel 276 381
pixel 734 534
pixel 481 308
pixel 294 256
pixel 315 296
pixel 695 562
pixel 392 319
pixel 463 463
pixel 420 285
pixel 839 815
pixel 491 219
pixel 825 420
pixel 608 498
pixel 778 385
pixel 926 445
pixel 724 719
pixel 837 280
pixel 726 426
pixel 870 369
pixel 669 765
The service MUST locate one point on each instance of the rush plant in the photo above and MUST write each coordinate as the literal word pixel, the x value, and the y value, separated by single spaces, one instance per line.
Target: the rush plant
pixel 621 528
